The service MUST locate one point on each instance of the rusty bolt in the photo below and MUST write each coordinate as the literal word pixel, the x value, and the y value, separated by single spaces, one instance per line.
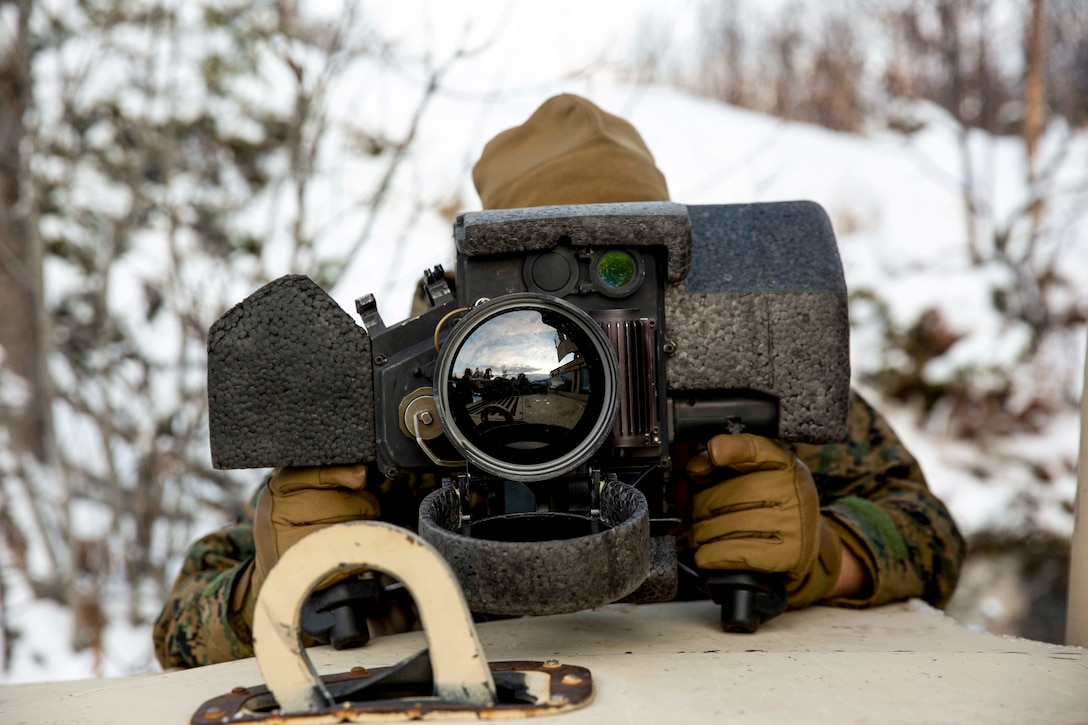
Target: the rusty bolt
pixel 358 671
pixel 551 664
pixel 571 680
pixel 239 691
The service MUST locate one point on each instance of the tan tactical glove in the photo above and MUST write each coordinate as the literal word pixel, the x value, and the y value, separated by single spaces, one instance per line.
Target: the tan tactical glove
pixel 758 510
pixel 294 503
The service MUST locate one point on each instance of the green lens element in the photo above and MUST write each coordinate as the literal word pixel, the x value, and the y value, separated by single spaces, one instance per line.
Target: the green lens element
pixel 616 269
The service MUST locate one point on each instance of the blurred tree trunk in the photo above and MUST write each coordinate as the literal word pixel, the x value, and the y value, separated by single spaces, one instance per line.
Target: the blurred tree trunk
pixel 21 300
pixel 1034 101
pixel 25 324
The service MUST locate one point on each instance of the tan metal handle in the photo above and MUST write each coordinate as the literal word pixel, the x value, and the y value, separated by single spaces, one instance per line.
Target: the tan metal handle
pixel 461 672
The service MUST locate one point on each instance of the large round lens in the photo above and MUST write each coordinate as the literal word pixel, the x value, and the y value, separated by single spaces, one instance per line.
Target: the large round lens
pixel 526 387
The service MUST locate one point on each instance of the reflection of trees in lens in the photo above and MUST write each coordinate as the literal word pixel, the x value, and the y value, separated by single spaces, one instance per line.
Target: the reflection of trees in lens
pixel 461 390
pixel 526 386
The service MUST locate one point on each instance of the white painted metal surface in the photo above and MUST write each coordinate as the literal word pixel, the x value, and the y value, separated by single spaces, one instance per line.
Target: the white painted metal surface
pixel 666 663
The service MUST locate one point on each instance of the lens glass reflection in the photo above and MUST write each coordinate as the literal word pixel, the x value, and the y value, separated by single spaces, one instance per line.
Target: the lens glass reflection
pixel 525 386
pixel 616 269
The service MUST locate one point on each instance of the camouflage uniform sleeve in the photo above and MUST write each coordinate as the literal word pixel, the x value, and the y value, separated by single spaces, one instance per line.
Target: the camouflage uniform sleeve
pixel 901 532
pixel 198 624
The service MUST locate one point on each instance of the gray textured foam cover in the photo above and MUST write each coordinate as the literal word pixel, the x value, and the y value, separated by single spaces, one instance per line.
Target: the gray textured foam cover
pixel 289 381
pixel 630 224
pixel 765 308
pixel 661 583
pixel 545 577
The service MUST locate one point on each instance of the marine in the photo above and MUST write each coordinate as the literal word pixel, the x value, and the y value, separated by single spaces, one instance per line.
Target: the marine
pixel 849 524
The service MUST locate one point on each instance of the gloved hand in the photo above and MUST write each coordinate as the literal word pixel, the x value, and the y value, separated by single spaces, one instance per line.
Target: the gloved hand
pixel 757 509
pixel 294 503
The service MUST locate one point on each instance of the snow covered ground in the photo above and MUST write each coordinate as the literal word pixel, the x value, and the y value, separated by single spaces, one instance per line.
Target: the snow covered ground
pixel 893 199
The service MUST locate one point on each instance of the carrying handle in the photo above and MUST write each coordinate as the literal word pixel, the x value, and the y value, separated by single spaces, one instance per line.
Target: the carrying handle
pixel 461 672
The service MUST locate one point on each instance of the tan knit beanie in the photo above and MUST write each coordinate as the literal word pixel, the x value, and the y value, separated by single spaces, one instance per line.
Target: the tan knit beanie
pixel 568 152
